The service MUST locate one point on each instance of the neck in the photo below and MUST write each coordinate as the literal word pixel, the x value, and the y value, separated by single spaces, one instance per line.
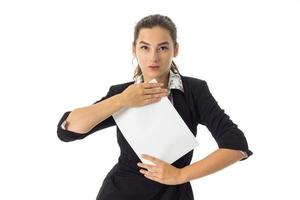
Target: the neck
pixel 161 79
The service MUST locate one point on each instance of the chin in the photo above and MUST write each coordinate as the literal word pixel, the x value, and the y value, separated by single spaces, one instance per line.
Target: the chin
pixel 154 75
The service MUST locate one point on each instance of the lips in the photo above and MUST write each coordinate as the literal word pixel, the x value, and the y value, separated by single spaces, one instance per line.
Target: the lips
pixel 154 66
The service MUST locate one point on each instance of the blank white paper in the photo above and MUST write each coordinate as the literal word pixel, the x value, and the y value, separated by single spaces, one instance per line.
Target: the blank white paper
pixel 156 129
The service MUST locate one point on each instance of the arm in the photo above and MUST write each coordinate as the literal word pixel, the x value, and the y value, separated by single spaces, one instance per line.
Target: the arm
pixel 83 121
pixel 214 162
pixel 225 132
pixel 232 143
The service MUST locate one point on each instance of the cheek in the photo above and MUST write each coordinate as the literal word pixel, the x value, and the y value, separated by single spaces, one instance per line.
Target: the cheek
pixel 168 58
pixel 142 60
pixel 168 55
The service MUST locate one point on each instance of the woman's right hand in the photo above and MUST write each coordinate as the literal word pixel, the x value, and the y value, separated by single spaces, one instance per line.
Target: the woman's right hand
pixel 142 94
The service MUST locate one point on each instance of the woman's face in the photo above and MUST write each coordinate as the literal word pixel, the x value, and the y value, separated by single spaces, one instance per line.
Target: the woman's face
pixel 154 47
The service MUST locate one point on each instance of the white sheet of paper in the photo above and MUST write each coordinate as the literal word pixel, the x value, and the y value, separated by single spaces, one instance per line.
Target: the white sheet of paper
pixel 156 129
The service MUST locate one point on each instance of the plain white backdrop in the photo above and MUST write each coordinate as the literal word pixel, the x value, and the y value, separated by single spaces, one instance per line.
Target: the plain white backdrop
pixel 56 56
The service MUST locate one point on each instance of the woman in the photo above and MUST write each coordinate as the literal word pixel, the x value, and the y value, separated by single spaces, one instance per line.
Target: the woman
pixel 154 47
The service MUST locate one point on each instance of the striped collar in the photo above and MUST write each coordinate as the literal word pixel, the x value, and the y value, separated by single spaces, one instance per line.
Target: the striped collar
pixel 175 81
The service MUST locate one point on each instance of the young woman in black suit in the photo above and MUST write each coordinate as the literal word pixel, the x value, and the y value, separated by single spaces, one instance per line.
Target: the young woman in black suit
pixel 154 46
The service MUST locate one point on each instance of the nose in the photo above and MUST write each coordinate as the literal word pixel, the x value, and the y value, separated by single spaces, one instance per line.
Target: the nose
pixel 154 56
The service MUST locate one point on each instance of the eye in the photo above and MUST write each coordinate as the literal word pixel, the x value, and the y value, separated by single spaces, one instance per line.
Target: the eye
pixel 144 47
pixel 163 48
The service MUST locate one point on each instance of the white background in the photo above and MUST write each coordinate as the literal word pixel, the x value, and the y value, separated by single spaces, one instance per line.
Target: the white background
pixel 56 56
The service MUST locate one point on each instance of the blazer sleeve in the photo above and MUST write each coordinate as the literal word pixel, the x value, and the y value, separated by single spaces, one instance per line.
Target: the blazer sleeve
pixel 225 132
pixel 67 136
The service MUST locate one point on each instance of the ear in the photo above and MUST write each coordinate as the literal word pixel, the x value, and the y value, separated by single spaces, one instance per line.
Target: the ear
pixel 133 50
pixel 176 49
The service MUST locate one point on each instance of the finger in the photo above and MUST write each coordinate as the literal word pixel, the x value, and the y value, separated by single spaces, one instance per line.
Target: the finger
pixel 157 90
pixel 152 168
pixel 151 158
pixel 152 171
pixel 154 96
pixel 153 90
pixel 151 85
pixel 149 173
pixel 153 100
pixel 154 178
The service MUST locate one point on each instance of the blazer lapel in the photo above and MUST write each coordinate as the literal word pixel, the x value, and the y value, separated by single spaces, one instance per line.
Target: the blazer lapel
pixel 180 104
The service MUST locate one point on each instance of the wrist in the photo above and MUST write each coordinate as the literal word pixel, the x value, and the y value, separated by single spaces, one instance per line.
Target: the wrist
pixel 183 175
pixel 121 100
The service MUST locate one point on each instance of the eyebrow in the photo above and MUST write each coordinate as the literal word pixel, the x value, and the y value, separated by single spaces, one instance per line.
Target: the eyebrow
pixel 142 42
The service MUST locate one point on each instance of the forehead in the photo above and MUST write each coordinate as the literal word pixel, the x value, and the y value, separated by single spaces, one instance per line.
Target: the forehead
pixel 154 35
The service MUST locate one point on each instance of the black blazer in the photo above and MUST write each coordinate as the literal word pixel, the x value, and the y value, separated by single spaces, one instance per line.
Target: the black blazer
pixel 196 106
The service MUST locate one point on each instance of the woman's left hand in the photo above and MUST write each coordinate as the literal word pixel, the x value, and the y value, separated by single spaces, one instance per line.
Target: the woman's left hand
pixel 161 172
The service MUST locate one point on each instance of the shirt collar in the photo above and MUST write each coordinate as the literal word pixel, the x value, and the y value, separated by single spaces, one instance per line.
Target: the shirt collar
pixel 175 81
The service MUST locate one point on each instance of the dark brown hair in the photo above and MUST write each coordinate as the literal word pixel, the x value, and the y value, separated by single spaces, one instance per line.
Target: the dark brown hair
pixel 150 22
